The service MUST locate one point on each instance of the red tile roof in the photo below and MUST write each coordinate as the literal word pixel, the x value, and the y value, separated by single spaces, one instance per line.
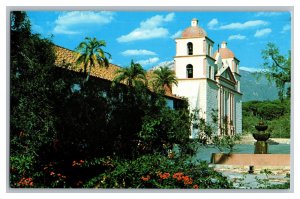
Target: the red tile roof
pixel 66 56
pixel 225 53
pixel 194 31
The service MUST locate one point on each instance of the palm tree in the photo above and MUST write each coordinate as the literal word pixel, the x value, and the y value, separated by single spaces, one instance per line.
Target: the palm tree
pixel 164 77
pixel 134 75
pixel 91 53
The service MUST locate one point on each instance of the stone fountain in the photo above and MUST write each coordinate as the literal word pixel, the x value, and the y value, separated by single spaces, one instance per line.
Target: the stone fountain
pixel 261 137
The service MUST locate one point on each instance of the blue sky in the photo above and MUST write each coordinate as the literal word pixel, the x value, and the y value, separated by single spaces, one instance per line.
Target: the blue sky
pixel 148 37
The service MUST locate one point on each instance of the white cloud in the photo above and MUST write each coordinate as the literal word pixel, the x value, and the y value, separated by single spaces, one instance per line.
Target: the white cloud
pixel 176 35
pixel 149 29
pixel 148 61
pixel 286 28
pixel 137 52
pixel 237 37
pixel 169 17
pixel 249 69
pixel 245 25
pixel 212 24
pixel 267 14
pixel 68 22
pixel 263 32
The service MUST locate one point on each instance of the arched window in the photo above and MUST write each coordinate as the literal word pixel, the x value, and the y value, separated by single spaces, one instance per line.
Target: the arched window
pixel 190 48
pixel 189 71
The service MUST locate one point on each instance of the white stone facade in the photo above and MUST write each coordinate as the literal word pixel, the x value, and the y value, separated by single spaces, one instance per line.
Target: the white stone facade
pixel 209 81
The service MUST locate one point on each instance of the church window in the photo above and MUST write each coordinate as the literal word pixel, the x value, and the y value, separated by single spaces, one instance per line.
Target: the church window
pixel 190 48
pixel 189 71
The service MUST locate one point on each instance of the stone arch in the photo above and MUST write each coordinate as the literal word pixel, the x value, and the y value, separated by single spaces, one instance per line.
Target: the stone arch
pixel 190 48
pixel 189 71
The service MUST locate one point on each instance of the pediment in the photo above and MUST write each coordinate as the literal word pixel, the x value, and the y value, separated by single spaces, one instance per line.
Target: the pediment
pixel 226 73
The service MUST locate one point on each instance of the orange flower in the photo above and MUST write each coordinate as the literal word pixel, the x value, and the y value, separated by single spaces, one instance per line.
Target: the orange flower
pixel 196 186
pixel 187 180
pixel 145 178
pixel 178 176
pixel 25 182
pixel 164 175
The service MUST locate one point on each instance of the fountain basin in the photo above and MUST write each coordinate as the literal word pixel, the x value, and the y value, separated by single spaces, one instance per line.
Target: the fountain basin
pixel 261 127
pixel 251 159
pixel 261 136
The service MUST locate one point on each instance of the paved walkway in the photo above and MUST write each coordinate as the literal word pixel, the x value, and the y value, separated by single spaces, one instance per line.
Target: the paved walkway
pixel 243 180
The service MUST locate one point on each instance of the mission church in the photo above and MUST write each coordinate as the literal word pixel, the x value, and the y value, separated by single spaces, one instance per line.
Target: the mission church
pixel 210 81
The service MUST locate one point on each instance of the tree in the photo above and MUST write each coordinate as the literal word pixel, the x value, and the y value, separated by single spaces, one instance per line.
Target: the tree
pixel 91 53
pixel 32 121
pixel 134 75
pixel 277 68
pixel 164 77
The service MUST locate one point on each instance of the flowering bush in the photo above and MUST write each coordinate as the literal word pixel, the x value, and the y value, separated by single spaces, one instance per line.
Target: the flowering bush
pixel 157 171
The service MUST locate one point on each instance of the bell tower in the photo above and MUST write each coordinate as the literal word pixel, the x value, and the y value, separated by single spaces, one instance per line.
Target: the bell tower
pixel 193 66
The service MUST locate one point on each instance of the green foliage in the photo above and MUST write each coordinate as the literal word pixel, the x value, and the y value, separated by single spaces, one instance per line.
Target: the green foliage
pixel 275 114
pixel 157 171
pixel 91 53
pixel 32 122
pixel 266 184
pixel 163 77
pixel 225 142
pixel 278 68
pixel 134 75
pixel 161 130
pixel 204 130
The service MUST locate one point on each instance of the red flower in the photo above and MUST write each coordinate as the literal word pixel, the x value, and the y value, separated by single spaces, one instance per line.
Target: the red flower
pixel 52 173
pixel 196 186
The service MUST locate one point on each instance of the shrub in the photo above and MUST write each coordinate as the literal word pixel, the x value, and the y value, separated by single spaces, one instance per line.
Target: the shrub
pixel 157 171
pixel 275 114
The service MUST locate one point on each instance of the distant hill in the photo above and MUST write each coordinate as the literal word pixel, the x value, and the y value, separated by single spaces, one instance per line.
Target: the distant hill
pixel 256 89
pixel 251 87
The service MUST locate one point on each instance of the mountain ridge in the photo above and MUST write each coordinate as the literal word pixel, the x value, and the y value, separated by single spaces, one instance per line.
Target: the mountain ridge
pixel 253 86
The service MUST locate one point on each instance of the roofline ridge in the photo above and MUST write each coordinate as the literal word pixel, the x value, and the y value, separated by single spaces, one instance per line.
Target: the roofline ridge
pixel 64 47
